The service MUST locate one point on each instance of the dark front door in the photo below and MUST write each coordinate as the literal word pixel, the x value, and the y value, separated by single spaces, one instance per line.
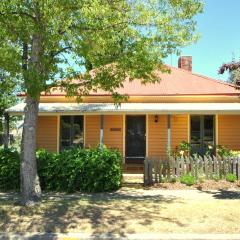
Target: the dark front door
pixel 135 139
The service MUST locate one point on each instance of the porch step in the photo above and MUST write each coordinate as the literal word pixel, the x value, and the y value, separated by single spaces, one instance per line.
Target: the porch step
pixel 132 179
pixel 133 168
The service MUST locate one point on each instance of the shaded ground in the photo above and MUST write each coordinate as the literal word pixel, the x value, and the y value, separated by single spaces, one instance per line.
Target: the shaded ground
pixel 136 181
pixel 130 210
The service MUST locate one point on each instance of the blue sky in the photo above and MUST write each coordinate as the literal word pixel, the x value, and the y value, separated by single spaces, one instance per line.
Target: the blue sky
pixel 219 26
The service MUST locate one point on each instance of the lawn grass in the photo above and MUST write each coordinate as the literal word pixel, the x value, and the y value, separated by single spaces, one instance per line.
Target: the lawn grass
pixel 127 211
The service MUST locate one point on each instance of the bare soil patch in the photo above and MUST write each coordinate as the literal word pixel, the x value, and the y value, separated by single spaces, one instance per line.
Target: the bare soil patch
pixel 129 210
pixel 206 185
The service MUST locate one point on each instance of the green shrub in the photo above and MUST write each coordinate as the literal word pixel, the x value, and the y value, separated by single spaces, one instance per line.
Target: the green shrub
pixel 163 180
pixel 231 177
pixel 183 149
pixel 88 170
pixel 223 151
pixel 173 179
pixel 216 177
pixel 188 179
pixel 9 170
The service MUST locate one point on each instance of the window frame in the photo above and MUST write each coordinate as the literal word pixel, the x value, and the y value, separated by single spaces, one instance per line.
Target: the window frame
pixel 72 118
pixel 202 130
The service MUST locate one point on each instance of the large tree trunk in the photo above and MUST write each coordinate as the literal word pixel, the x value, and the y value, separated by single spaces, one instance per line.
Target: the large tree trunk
pixel 30 187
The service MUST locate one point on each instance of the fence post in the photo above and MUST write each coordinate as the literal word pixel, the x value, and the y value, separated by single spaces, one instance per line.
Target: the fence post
pixel 182 166
pixel 168 168
pixel 150 167
pixel 192 165
pixel 200 165
pixel 238 167
pixel 224 166
pixel 215 166
pixel 234 166
pixel 230 161
pixel 206 166
pixel 196 171
pixel 177 163
pixel 220 166
pixel 210 167
pixel 155 170
pixel 146 172
pixel 173 166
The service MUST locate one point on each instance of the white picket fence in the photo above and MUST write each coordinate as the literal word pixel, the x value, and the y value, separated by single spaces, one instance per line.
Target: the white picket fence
pixel 155 169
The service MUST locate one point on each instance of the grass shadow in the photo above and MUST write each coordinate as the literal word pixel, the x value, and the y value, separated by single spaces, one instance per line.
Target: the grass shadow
pixel 98 213
pixel 223 194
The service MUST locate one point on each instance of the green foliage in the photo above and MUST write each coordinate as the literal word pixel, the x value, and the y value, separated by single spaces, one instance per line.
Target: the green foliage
pixel 183 149
pixel 9 170
pixel 42 41
pixel 216 177
pixel 173 179
pixel 235 153
pixel 163 180
pixel 223 151
pixel 88 170
pixel 188 179
pixel 231 177
pixel 7 94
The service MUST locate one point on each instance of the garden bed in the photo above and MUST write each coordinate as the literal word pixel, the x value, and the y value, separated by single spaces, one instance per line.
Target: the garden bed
pixel 207 185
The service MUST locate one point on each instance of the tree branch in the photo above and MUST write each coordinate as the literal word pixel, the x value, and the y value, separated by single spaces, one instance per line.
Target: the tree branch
pixel 54 54
pixel 229 67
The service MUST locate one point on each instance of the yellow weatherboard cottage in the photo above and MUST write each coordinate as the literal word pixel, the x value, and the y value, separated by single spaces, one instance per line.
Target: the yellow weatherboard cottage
pixel 183 106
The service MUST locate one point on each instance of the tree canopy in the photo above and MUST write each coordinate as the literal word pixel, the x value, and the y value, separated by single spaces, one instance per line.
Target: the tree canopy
pixel 78 35
pixel 43 41
pixel 8 87
pixel 234 69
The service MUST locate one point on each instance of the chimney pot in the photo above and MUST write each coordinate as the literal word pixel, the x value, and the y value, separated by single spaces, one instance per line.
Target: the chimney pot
pixel 185 62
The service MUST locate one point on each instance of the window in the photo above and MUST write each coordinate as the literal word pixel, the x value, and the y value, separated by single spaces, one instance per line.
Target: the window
pixel 71 132
pixel 203 134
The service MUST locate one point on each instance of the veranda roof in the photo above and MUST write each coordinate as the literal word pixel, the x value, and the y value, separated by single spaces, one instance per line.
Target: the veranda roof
pixel 130 108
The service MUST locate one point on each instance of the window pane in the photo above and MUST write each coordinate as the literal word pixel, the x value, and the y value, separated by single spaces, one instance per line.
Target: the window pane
pixel 65 132
pixel 65 127
pixel 208 129
pixel 202 134
pixel 78 131
pixel 195 130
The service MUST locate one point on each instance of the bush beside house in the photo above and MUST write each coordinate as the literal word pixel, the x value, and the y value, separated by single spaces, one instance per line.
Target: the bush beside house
pixel 87 170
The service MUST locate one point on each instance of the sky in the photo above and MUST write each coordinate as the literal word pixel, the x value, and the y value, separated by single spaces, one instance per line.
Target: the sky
pixel 219 27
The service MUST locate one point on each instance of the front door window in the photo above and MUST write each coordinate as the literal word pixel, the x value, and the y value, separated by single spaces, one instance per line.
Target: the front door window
pixel 203 134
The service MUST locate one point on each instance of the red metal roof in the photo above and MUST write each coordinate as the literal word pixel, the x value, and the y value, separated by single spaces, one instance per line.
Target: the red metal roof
pixel 178 82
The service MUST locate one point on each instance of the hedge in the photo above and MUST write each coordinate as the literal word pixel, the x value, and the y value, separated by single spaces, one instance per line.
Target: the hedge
pixel 9 170
pixel 86 170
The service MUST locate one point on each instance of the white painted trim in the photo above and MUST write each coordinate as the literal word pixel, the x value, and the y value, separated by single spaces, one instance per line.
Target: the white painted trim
pixel 147 152
pixel 124 136
pixel 58 133
pixel 128 113
pixel 216 128
pixel 84 131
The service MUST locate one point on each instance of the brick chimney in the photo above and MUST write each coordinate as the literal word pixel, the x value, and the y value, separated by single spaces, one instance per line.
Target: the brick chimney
pixel 185 62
